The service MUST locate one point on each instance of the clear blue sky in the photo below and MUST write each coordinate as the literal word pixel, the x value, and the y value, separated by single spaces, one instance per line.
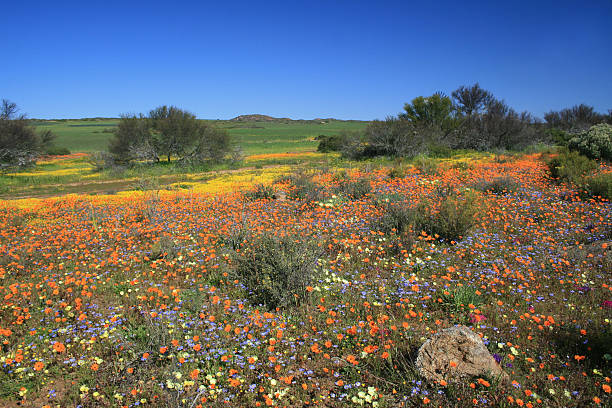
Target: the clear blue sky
pixel 301 59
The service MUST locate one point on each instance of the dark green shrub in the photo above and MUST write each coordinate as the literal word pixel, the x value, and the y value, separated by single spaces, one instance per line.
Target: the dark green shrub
pixel 333 143
pixel 354 189
pixel 397 171
pixel 276 270
pixel 446 215
pixel 570 167
pixel 452 220
pixel 600 185
pixel 260 192
pixel 596 143
pixel 305 189
pixel 426 165
pixel 498 185
pixel 439 151
pixel 56 151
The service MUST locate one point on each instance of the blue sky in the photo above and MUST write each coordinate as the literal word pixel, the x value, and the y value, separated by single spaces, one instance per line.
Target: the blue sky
pixel 300 59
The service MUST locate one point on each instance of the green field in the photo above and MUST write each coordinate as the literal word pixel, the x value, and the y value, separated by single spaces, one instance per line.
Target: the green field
pixel 92 135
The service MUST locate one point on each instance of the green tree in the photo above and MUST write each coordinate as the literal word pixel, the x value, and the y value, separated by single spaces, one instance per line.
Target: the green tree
pixel 132 140
pixel 167 132
pixel 432 111
pixel 175 131
pixel 20 144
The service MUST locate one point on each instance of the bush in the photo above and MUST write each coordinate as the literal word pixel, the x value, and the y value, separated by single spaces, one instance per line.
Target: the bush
pixel 570 167
pixel 276 270
pixel 596 143
pixel 397 171
pixel 101 161
pixel 392 137
pixel 57 151
pixel 452 220
pixel 333 143
pixel 20 144
pixel 168 132
pixel 260 192
pixel 600 185
pixel 446 216
pixel 499 185
pixel 354 189
pixel 426 165
pixel 305 189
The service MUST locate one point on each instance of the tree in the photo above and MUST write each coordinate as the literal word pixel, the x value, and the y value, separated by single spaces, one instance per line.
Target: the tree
pixel 574 119
pixel 175 131
pixel 432 111
pixel 132 140
pixel 489 123
pixel 20 144
pixel 472 100
pixel 167 132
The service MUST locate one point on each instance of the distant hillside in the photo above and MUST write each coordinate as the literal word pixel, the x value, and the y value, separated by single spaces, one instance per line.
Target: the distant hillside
pixel 258 118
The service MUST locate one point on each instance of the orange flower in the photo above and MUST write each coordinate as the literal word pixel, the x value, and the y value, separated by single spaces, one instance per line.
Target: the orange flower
pixel 59 347
pixel 39 365
pixel 194 373
pixel 94 366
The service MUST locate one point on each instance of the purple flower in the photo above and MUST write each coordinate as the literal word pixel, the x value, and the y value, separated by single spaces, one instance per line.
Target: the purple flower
pixel 607 303
pixel 497 357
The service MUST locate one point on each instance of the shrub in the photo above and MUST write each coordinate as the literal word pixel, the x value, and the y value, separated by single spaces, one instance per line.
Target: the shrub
pixel 20 144
pixel 446 216
pixel 498 185
pixel 596 143
pixel 397 171
pixel 333 143
pixel 305 189
pixel 56 151
pixel 164 248
pixel 459 300
pixel 276 270
pixel 260 192
pixel 101 161
pixel 426 165
pixel 354 189
pixel 600 185
pixel 570 167
pixel 451 221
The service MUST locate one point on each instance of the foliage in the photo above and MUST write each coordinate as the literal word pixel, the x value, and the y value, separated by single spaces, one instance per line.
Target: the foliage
pixel 276 270
pixel 20 144
pixel 260 192
pixel 354 189
pixel 497 126
pixel 472 100
pixel 600 185
pixel 570 167
pixel 445 215
pixel 577 118
pixel 332 143
pixel 168 132
pixel 596 143
pixel 392 137
pixel 305 188
pixel 435 111
pixel 56 151
pixel 497 185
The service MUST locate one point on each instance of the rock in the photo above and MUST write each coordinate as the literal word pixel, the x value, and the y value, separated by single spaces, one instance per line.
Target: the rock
pixel 457 345
pixel 280 196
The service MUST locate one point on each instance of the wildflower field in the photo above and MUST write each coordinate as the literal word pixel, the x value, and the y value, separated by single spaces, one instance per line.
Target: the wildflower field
pixel 319 296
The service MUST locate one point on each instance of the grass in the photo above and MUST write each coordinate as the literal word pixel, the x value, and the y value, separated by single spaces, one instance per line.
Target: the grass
pixel 253 137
